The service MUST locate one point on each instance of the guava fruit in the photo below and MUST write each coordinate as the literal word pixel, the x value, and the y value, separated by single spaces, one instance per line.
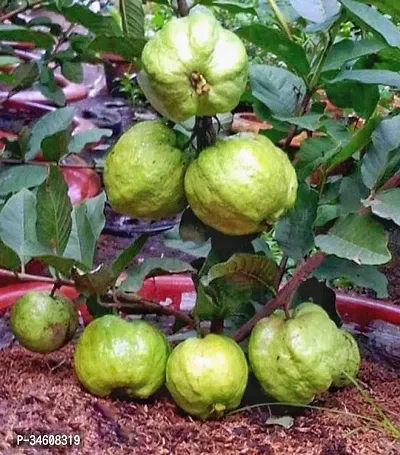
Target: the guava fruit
pixel 193 66
pixel 43 323
pixel 114 354
pixel 295 359
pixel 241 184
pixel 144 172
pixel 207 377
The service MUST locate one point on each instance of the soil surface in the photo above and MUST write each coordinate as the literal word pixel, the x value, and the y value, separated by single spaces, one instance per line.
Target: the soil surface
pixel 40 393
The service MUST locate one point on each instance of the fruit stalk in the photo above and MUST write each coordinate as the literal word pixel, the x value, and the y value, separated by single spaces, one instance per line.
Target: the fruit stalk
pixel 284 295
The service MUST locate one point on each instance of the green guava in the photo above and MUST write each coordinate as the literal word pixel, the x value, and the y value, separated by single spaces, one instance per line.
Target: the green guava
pixel 193 66
pixel 43 323
pixel 241 184
pixel 114 354
pixel 295 359
pixel 207 377
pixel 144 172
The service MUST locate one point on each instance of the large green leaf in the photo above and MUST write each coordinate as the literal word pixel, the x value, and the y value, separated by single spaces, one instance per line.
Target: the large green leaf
pixel 51 123
pixel 54 147
pixel 359 238
pixel 294 232
pixel 173 240
pixel 352 192
pixel 375 20
pixel 11 32
pixel 153 267
pixel 317 10
pixel 244 268
pixel 54 209
pixel 280 90
pixel 387 136
pixel 309 122
pixel 14 178
pixel 132 18
pixel 61 264
pixel 73 71
pixel 386 6
pixel 382 77
pixel 80 140
pixel 87 223
pixel 386 204
pixel 8 258
pixel 24 75
pixel 362 276
pixel 17 225
pixel 277 43
pixel 49 87
pixel 129 48
pixel 347 50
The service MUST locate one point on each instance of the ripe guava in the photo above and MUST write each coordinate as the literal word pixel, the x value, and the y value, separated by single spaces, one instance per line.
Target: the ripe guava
pixel 207 377
pixel 295 359
pixel 241 184
pixel 114 354
pixel 193 66
pixel 144 172
pixel 43 323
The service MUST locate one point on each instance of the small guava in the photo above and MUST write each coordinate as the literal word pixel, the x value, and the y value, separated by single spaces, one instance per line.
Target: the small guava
pixel 241 184
pixel 207 377
pixel 114 354
pixel 144 172
pixel 43 323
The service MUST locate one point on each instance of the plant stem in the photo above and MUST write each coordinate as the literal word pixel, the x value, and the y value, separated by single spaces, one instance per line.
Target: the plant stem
pixel 183 8
pixel 28 277
pixel 280 17
pixel 217 326
pixel 284 295
pixel 281 272
pixel 15 162
pixel 393 182
pixel 20 9
pixel 303 110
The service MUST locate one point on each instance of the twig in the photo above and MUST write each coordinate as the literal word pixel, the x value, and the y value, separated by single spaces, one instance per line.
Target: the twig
pixel 281 19
pixel 28 277
pixel 217 326
pixel 15 162
pixel 183 8
pixel 393 182
pixel 281 272
pixel 21 9
pixel 303 110
pixel 302 272
pixel 56 286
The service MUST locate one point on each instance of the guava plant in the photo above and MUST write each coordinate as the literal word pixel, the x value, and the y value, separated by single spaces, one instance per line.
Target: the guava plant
pixel 327 205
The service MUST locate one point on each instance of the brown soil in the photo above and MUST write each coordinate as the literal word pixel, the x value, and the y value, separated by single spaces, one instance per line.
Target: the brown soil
pixel 40 392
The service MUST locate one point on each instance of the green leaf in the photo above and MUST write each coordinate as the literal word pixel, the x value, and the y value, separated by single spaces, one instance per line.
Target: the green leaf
pixel 153 267
pixel 54 209
pixel 316 11
pixel 11 32
pixel 309 122
pixel 49 87
pixel 386 204
pixel 14 178
pixel 359 140
pixel 96 23
pixel 80 140
pixel 126 47
pixel 274 41
pixel 17 225
pixel 123 260
pixel 347 50
pixel 384 154
pixel 387 6
pixel 173 240
pixel 294 232
pixel 61 264
pixel 73 71
pixel 51 123
pixel 326 213
pixel 132 17
pixel 244 268
pixel 382 77
pixel 359 238
pixel 54 147
pixel 352 192
pixel 362 276
pixel 95 282
pixel 280 90
pixel 376 21
pixel 87 223
pixel 231 6
pixel 8 258
pixel 24 75
pixel 313 153
pixel 8 60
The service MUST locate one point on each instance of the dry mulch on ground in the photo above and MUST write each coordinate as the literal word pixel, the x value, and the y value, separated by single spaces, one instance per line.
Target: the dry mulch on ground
pixel 40 392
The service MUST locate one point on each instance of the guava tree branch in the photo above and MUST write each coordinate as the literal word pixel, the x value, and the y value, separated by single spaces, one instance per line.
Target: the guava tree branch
pixel 302 272
pixel 27 277
pixel 393 182
pixel 19 10
pixel 183 8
